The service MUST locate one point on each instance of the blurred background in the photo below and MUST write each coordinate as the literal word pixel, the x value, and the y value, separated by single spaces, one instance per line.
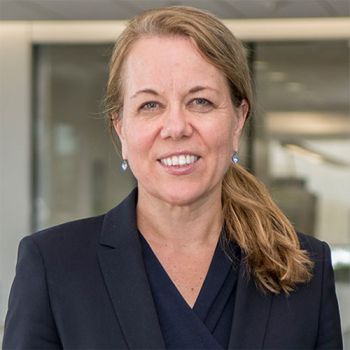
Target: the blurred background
pixel 57 162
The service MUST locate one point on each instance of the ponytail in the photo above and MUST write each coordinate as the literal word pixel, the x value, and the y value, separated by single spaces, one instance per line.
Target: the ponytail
pixel 265 235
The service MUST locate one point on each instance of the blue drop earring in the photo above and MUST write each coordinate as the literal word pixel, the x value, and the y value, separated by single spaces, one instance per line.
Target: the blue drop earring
pixel 235 158
pixel 124 164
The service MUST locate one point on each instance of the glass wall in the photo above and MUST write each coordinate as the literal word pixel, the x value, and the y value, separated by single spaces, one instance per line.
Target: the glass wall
pixel 77 169
pixel 302 144
pixel 298 141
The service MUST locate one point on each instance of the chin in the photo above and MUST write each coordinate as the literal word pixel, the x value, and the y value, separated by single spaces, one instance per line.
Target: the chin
pixel 182 196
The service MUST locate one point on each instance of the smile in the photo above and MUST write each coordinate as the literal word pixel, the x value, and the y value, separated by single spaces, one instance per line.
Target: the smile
pixel 179 160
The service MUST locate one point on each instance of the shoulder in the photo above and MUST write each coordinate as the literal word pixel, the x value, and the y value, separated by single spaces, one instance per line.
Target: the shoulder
pixel 322 294
pixel 77 229
pixel 320 254
pixel 309 242
pixel 80 238
pixel 60 255
pixel 317 250
pixel 66 237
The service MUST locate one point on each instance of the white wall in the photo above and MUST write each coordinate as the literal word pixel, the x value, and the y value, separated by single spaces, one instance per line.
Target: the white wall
pixel 15 149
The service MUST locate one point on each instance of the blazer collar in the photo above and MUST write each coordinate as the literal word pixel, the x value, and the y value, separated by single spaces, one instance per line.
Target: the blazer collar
pixel 121 262
pixel 251 312
pixel 122 265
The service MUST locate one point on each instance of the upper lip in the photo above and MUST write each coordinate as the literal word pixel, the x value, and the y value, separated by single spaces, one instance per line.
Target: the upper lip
pixel 178 153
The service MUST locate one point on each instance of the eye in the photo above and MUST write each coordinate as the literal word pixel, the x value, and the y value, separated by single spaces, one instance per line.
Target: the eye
pixel 201 101
pixel 149 106
pixel 201 104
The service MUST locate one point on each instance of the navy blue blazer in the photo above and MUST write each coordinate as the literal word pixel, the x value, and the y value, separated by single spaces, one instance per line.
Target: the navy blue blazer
pixel 83 285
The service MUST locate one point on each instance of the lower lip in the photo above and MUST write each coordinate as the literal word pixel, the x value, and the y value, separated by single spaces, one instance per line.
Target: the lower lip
pixel 179 169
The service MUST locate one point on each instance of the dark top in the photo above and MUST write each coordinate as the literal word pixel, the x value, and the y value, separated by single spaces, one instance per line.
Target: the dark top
pixel 208 324
pixel 83 285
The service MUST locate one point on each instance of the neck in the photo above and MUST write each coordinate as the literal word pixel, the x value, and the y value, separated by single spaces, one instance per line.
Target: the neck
pixel 180 227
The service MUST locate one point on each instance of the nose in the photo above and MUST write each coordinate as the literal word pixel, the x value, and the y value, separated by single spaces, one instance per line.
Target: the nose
pixel 176 124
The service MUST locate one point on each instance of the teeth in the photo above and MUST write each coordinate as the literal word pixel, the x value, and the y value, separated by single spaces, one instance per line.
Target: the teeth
pixel 183 159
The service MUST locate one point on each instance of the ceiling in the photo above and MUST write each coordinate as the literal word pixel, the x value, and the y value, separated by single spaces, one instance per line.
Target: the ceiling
pixel 124 9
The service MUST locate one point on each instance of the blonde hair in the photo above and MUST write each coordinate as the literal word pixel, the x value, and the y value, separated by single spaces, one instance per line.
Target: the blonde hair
pixel 267 238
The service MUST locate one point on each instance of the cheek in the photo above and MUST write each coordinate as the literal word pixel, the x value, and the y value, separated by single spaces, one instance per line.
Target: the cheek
pixel 138 141
pixel 223 139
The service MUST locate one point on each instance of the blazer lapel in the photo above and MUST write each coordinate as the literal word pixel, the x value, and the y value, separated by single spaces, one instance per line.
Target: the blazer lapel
pixel 121 262
pixel 251 313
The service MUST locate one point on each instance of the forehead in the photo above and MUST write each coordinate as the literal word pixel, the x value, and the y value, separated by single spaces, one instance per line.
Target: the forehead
pixel 169 61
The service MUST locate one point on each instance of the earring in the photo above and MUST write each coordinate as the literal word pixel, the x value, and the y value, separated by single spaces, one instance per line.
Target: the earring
pixel 124 164
pixel 235 158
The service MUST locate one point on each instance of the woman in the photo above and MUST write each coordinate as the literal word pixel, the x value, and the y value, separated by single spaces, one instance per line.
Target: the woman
pixel 198 256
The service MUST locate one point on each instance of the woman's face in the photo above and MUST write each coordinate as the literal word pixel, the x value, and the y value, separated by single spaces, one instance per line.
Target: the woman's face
pixel 179 128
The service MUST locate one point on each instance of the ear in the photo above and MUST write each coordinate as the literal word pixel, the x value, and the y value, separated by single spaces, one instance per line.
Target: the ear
pixel 241 114
pixel 119 129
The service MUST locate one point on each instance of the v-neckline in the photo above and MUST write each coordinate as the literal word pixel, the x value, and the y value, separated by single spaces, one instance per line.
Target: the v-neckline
pixel 208 323
pixel 201 297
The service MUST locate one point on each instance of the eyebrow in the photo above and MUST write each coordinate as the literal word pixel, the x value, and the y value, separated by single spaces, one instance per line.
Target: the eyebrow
pixel 201 88
pixel 191 91
pixel 145 91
